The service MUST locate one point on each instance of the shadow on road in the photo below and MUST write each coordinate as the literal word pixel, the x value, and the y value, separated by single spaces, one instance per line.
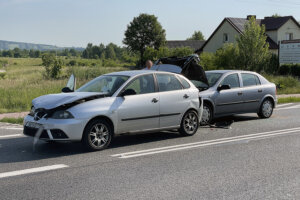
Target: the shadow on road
pixel 20 149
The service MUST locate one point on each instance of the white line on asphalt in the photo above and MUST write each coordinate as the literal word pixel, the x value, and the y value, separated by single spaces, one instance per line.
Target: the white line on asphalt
pixel 32 170
pixel 11 136
pixel 285 104
pixel 290 107
pixel 205 143
pixel 11 128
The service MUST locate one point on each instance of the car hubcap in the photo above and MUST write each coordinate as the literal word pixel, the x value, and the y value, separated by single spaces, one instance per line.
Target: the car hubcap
pixel 190 122
pixel 205 115
pixel 267 108
pixel 99 135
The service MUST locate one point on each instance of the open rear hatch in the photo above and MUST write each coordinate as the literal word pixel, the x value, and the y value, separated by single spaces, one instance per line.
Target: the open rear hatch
pixel 187 66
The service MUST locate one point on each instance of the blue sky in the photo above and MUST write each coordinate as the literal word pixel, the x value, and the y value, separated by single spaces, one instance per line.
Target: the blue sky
pixel 78 22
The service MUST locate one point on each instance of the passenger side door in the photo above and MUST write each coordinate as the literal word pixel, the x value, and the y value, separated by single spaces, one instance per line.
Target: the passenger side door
pixel 229 100
pixel 140 111
pixel 174 100
pixel 252 92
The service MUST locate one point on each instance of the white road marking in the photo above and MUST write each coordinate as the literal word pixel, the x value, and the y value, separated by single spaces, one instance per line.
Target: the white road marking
pixel 290 107
pixel 11 128
pixel 205 143
pixel 11 136
pixel 32 170
pixel 285 104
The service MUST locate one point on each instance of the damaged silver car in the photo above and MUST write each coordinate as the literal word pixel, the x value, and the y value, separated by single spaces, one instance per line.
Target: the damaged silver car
pixel 116 103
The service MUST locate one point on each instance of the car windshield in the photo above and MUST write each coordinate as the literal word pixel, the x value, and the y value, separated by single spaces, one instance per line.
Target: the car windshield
pixel 212 78
pixel 107 83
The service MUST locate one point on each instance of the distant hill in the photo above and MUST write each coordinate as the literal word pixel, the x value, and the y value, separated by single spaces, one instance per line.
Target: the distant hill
pixel 7 45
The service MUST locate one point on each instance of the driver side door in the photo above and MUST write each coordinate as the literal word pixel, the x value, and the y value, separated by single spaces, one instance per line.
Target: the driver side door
pixel 229 100
pixel 140 111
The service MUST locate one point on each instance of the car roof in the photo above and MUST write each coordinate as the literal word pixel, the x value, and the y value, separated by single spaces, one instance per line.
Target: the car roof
pixel 135 72
pixel 227 71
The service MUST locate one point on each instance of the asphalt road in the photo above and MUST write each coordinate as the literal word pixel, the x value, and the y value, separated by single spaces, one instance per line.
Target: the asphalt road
pixel 255 159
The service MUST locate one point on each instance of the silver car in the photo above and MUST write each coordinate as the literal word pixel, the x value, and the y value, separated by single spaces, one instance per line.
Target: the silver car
pixel 234 92
pixel 115 103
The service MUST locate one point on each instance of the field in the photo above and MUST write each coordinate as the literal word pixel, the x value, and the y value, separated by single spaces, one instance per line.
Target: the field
pixel 24 80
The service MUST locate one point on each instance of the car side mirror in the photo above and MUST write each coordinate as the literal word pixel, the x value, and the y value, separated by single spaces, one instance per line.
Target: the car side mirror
pixel 128 92
pixel 66 90
pixel 223 87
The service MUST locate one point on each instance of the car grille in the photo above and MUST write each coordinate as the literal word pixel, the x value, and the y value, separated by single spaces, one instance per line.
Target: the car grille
pixel 32 131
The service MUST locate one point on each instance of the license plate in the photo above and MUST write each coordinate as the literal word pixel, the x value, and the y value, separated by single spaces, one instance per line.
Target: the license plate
pixel 33 125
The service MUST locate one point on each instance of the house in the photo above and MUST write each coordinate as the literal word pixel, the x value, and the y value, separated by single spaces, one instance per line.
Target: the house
pixel 277 29
pixel 193 44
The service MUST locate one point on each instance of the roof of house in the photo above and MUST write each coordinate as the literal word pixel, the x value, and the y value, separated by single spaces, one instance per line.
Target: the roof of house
pixel 194 44
pixel 271 23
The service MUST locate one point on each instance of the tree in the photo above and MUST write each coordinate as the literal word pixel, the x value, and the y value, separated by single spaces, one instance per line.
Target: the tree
pixel 52 65
pixel 253 48
pixel 197 35
pixel 144 31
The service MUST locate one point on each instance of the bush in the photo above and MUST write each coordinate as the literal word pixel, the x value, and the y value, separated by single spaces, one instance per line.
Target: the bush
pixel 72 63
pixel 2 75
pixel 290 69
pixel 52 65
pixel 295 70
pixel 207 61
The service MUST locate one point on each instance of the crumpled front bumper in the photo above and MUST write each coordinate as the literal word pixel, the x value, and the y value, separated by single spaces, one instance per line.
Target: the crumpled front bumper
pixel 55 129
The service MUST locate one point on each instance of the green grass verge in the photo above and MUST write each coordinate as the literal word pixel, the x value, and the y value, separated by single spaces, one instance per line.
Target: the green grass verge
pixel 288 100
pixel 12 120
pixel 24 80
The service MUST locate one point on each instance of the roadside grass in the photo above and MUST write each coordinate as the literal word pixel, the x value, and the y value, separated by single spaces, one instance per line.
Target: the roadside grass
pixel 24 81
pixel 13 120
pixel 288 84
pixel 288 100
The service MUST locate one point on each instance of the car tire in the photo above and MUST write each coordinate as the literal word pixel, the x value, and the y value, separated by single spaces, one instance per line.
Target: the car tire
pixel 207 115
pixel 97 135
pixel 266 109
pixel 189 123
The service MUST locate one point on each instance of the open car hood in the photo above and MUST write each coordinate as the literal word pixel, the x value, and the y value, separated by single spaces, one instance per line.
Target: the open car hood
pixel 52 101
pixel 188 68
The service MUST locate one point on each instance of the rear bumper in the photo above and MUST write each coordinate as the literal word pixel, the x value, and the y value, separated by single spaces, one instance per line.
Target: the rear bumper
pixel 55 129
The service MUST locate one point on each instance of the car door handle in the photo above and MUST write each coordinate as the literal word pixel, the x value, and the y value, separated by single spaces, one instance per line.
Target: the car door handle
pixel 239 93
pixel 154 100
pixel 186 96
pixel 260 90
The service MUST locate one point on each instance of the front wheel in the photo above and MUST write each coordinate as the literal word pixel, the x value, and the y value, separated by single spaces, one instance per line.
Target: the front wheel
pixel 266 109
pixel 189 123
pixel 97 135
pixel 207 115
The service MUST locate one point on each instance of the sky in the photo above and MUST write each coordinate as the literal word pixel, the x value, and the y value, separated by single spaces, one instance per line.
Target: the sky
pixel 74 23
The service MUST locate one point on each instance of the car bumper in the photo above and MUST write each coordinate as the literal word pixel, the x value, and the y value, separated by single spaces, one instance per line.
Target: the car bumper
pixel 55 129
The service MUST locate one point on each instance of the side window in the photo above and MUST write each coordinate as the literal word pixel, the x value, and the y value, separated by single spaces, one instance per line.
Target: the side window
pixel 250 80
pixel 232 80
pixel 167 82
pixel 185 84
pixel 142 84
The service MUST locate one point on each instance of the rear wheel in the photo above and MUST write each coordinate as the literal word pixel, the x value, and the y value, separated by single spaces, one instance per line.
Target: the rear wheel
pixel 97 135
pixel 189 123
pixel 266 109
pixel 206 115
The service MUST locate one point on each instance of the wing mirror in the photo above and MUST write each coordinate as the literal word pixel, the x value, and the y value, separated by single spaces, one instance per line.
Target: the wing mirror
pixel 223 87
pixel 66 90
pixel 128 92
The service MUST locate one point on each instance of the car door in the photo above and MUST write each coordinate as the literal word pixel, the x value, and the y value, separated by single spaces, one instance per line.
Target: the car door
pixel 139 111
pixel 252 92
pixel 174 100
pixel 229 100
